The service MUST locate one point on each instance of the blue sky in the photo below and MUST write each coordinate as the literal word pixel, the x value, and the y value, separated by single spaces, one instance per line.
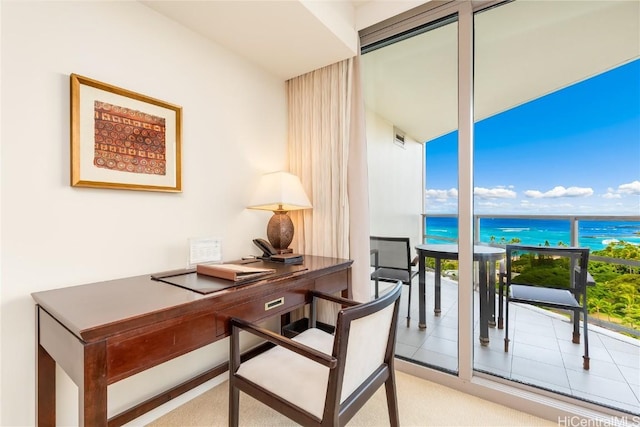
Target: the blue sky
pixel 574 151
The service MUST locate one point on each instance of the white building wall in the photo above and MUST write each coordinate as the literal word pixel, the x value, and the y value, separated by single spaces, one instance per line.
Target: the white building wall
pixel 395 182
pixel 53 235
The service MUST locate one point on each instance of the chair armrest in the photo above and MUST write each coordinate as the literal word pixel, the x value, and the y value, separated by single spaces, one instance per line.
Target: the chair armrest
pixel 589 280
pixel 333 298
pixel 291 345
pixel 414 261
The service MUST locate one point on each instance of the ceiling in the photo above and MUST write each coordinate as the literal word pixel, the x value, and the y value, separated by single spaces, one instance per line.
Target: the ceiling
pixel 523 50
pixel 413 84
pixel 286 38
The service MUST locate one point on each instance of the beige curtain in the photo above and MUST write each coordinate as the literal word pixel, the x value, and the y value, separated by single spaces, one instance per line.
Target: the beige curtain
pixel 327 150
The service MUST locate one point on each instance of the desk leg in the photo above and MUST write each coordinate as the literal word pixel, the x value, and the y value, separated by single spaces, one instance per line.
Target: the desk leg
pixel 93 390
pixel 422 321
pixel 45 388
pixel 45 382
pixel 484 309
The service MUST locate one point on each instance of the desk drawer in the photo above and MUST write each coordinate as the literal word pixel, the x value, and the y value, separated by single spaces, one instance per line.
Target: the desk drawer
pixel 334 282
pixel 130 353
pixel 264 307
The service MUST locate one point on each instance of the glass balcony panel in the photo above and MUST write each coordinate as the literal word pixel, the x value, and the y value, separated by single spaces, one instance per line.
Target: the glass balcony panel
pixel 406 113
pixel 526 152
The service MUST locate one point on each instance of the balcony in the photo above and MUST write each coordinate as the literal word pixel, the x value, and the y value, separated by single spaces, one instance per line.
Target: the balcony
pixel 468 146
pixel 541 353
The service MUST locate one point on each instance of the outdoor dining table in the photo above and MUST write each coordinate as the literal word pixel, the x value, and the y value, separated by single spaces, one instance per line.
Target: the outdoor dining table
pixel 486 257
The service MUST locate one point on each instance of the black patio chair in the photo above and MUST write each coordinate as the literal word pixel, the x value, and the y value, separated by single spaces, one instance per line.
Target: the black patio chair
pixel 391 259
pixel 551 277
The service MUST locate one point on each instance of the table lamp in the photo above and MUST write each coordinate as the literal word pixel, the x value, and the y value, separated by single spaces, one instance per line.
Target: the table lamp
pixel 280 192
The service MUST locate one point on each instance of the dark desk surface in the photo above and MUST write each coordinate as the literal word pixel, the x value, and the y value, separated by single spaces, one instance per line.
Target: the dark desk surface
pixel 104 332
pixel 204 284
pixel 90 311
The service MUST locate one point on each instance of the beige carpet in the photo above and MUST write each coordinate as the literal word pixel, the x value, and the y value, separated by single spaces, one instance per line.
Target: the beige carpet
pixel 420 402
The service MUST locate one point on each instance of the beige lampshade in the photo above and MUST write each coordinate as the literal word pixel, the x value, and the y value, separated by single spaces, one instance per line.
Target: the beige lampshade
pixel 279 191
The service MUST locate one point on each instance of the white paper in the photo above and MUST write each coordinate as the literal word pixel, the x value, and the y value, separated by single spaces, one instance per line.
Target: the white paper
pixel 204 250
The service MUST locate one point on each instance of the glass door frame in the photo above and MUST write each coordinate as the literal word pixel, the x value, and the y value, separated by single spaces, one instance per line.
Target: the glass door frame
pixel 547 405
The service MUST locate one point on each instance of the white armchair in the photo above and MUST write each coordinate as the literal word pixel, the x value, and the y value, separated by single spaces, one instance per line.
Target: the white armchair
pixel 317 378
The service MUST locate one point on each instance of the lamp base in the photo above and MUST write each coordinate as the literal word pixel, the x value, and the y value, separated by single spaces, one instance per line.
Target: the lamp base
pixel 280 231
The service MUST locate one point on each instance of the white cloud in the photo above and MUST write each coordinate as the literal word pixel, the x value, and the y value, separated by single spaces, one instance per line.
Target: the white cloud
pixel 630 188
pixel 560 191
pixel 494 193
pixel 441 195
pixel 611 194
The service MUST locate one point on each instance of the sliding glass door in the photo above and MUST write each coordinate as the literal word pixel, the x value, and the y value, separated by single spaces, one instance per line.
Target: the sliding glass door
pixel 468 92
pixel 411 93
pixel 557 133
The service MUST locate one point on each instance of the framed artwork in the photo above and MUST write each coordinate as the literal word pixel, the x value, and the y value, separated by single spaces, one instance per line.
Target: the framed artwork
pixel 122 139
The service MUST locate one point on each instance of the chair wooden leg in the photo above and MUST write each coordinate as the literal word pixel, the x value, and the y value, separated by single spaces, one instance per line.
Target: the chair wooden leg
pixel 234 401
pixel 392 401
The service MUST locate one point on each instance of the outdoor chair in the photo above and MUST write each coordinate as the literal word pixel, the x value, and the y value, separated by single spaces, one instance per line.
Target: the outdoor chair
pixel 391 260
pixel 551 277
pixel 316 378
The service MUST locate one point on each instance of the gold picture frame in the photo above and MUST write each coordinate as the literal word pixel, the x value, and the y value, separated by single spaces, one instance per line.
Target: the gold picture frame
pixel 123 140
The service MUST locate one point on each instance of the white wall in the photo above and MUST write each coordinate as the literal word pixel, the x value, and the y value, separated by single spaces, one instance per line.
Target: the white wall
pixel 53 235
pixel 395 182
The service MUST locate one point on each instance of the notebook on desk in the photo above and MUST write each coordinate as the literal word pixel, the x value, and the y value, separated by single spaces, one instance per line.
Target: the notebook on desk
pixel 235 272
pixel 189 279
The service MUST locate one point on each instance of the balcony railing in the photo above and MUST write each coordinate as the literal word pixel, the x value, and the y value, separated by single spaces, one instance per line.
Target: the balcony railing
pixel 572 230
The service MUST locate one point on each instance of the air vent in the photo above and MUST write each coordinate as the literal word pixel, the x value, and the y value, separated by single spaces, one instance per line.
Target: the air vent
pixel 398 137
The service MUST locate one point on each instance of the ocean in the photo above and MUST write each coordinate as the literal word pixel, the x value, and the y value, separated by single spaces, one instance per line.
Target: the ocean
pixel 595 235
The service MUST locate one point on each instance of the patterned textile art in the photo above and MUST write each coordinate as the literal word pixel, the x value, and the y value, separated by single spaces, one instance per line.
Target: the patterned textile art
pixel 129 141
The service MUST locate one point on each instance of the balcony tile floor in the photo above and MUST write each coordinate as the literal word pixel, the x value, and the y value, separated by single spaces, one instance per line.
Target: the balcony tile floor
pixel 541 352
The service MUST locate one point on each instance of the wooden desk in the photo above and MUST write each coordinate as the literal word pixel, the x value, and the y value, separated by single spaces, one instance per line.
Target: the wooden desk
pixel 104 332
